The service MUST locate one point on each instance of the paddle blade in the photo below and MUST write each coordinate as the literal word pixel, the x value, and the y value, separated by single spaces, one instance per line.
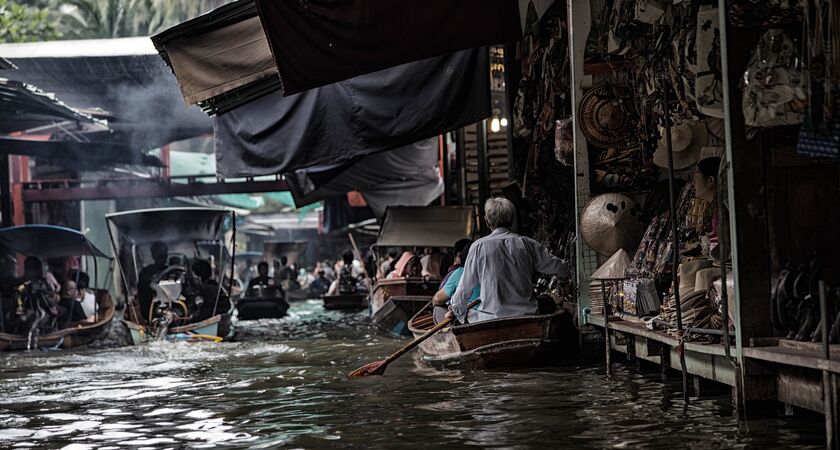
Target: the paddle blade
pixel 374 368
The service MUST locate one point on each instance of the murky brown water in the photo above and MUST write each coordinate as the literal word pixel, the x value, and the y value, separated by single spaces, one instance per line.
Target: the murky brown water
pixel 284 384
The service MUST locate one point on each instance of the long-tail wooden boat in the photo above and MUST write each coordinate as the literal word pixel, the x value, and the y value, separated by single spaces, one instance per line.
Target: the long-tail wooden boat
pixel 394 302
pixel 44 242
pixel 511 342
pixel 345 302
pixel 253 308
pixel 190 235
pixel 74 335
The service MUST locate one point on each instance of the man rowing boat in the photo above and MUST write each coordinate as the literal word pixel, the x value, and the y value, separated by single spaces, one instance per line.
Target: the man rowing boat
pixel 502 264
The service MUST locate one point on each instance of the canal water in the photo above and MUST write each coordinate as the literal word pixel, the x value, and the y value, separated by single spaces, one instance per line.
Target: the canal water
pixel 283 384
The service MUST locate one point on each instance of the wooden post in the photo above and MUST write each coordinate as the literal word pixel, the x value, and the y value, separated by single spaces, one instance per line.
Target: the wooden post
pixel 5 192
pixel 460 166
pixel 483 169
pixel 606 326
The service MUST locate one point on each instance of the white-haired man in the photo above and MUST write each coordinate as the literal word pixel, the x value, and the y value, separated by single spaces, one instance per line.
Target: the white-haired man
pixel 502 264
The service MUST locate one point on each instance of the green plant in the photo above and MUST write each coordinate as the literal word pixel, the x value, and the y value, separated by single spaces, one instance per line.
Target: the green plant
pixel 24 23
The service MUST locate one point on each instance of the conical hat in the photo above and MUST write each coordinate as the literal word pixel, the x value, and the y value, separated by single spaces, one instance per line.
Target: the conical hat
pixel 613 268
pixel 610 222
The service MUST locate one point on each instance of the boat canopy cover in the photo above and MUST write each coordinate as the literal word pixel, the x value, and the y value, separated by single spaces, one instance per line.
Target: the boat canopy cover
pixel 48 241
pixel 320 42
pixel 344 121
pixel 429 226
pixel 277 249
pixel 219 57
pixel 168 225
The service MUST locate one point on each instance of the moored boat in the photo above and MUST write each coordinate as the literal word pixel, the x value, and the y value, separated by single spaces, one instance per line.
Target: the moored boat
pixel 182 291
pixel 510 342
pixel 394 301
pixel 345 302
pixel 47 242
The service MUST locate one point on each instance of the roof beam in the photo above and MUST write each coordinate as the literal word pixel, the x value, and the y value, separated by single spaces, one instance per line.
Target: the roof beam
pixel 61 192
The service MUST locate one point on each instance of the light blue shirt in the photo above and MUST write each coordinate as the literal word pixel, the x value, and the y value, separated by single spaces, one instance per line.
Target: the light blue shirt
pixel 503 264
pixel 454 280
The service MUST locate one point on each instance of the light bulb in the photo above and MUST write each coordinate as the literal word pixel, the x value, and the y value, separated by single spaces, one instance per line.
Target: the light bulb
pixel 504 121
pixel 495 126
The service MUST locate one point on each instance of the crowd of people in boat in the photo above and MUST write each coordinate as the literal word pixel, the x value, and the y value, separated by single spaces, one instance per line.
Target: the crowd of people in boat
pixel 497 269
pixel 198 296
pixel 47 298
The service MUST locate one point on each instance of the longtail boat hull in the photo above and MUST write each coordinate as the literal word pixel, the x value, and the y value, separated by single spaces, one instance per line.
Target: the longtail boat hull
pixel 76 335
pixel 261 308
pixel 214 329
pixel 509 342
pixel 394 302
pixel 346 302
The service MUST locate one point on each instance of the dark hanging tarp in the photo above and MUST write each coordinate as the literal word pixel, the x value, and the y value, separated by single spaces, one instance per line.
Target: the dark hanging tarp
pixel 343 121
pixel 319 42
pixel 407 176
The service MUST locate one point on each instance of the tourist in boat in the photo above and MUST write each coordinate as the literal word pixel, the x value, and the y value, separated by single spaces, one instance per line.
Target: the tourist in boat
pixel 399 267
pixel 438 263
pixel 286 274
pixel 145 292
pixel 413 268
pixel 502 264
pixel 262 282
pixel 70 310
pixel 457 262
pixel 385 265
pixel 84 296
pixel 453 280
pixel 321 284
pixel 348 278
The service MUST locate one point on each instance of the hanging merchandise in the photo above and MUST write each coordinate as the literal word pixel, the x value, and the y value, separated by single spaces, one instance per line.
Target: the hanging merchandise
pixel 610 222
pixel 648 11
pixel 773 84
pixel 764 13
pixel 606 115
pixel 639 297
pixel 819 135
pixel 687 139
pixel 564 148
pixel 709 84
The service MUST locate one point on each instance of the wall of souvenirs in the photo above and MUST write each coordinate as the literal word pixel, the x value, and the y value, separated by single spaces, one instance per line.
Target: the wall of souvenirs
pixel 539 96
pixel 653 67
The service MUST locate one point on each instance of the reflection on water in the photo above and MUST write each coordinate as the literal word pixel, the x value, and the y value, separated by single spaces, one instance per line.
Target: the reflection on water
pixel 283 384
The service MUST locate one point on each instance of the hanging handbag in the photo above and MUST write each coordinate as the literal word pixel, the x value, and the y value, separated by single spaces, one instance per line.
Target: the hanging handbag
pixel 774 85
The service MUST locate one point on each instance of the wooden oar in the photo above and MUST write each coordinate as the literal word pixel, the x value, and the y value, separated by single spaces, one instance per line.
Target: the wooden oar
pixel 378 367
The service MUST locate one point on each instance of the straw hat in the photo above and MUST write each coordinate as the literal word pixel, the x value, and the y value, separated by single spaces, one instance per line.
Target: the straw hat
pixel 716 127
pixel 614 268
pixel 710 152
pixel 686 142
pixel 610 222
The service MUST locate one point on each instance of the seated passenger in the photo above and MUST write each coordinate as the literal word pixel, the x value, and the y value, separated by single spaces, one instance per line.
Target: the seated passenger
pixel 399 267
pixel 85 296
pixel 437 265
pixel 321 284
pixel 414 268
pixel 262 285
pixel 70 309
pixel 441 298
pixel 347 282
pixel 145 291
pixel 503 264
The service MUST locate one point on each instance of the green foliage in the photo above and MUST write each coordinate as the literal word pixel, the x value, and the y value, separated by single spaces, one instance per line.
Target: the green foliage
pixel 23 23
pixel 99 19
